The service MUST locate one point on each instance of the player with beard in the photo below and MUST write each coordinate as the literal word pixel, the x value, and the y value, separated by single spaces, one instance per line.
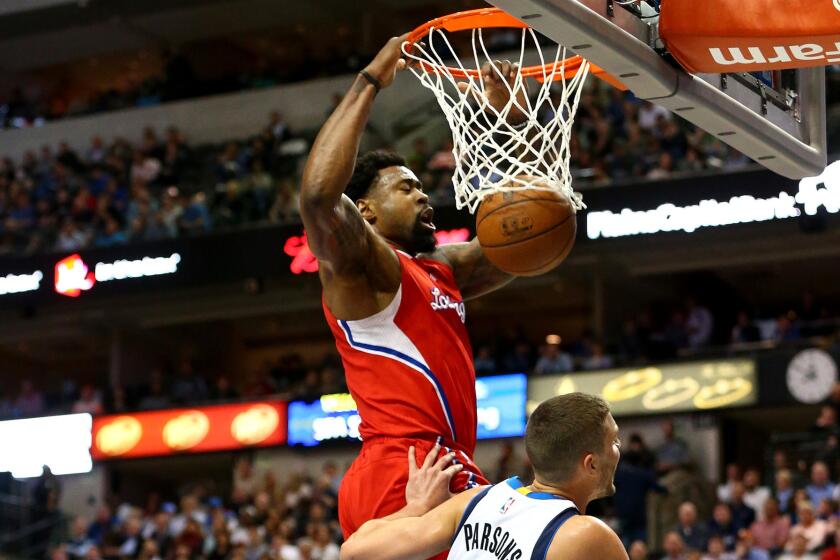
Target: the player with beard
pixel 572 442
pixel 394 302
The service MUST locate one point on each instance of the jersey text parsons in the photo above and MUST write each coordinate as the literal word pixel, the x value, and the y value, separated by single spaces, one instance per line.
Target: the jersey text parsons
pixel 482 536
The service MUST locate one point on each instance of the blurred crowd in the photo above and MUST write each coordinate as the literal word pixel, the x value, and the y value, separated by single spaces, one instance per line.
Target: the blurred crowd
pixel 292 516
pixel 683 330
pixel 177 384
pixel 666 332
pixel 161 188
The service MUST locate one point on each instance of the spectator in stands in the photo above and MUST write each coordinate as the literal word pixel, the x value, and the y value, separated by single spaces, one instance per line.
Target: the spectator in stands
pixel 638 551
pixel 699 324
pixel 598 359
pixel 29 402
pixel 89 401
pixel 771 531
pixel 744 330
pixel 663 169
pixel 519 359
pixel 634 479
pixel 798 549
pixel 188 386
pixel 673 453
pixel 820 487
pixel 78 543
pixel 484 361
pixel 743 515
pixel 755 495
pixel 693 534
pixel 733 475
pixel 223 390
pixel 673 546
pixel 716 550
pixel 746 548
pixel 156 396
pixel 723 526
pixel 196 217
pixel 650 114
pixel 784 490
pixel 553 360
pixel 812 529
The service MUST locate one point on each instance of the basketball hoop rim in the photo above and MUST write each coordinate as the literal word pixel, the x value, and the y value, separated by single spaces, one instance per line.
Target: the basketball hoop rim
pixel 486 18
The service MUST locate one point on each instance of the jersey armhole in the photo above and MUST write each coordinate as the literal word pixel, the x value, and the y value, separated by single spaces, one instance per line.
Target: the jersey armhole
pixel 468 510
pixel 547 536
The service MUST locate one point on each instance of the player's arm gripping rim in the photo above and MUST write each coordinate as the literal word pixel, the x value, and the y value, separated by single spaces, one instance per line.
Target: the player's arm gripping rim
pixel 353 259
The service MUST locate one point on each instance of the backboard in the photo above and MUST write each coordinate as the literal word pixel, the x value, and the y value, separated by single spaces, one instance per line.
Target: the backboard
pixel 781 126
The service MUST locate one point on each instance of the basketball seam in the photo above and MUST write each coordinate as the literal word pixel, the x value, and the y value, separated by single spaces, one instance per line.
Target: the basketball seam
pixel 543 232
pixel 514 203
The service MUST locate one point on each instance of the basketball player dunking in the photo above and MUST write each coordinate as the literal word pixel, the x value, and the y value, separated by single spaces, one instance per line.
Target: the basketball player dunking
pixel 394 301
pixel 573 444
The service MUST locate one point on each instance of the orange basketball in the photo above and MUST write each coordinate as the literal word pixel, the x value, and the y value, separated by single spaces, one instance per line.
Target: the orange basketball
pixel 527 232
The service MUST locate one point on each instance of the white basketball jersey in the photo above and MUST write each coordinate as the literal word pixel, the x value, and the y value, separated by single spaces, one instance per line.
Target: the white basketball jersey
pixel 508 522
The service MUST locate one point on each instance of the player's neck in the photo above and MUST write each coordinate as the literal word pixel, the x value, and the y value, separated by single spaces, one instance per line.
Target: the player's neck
pixel 565 491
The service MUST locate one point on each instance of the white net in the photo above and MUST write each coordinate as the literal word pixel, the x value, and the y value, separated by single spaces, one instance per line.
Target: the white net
pixel 491 153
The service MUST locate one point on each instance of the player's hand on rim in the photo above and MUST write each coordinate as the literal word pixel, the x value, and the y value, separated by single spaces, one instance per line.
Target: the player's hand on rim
pixel 428 484
pixel 499 81
pixel 388 61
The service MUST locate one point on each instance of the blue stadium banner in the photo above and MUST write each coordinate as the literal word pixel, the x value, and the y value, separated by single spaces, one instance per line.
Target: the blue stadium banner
pixel 501 413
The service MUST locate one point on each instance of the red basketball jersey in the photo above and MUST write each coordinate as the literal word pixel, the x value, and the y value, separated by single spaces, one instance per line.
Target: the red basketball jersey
pixel 410 366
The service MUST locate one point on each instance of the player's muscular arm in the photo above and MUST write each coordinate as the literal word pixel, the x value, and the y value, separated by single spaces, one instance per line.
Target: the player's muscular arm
pixel 474 273
pixel 337 234
pixel 582 538
pixel 408 538
pixel 360 273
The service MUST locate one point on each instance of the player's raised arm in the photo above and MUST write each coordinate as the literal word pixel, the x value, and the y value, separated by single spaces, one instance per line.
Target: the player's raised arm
pixel 337 233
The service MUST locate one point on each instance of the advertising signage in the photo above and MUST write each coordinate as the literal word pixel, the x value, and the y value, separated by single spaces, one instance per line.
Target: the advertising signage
pixel 189 430
pixel 664 388
pixel 60 442
pixel 621 213
pixel 501 413
pixel 814 194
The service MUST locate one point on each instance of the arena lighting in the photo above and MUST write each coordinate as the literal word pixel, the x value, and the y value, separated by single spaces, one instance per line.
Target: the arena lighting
pixel 303 260
pixel 60 442
pixel 19 283
pixel 814 192
pixel 500 413
pixel 73 276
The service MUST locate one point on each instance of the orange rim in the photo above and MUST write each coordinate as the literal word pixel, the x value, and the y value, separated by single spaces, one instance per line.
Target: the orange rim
pixel 485 18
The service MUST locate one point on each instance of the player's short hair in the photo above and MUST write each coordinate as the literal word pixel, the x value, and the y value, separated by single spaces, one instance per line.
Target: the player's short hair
pixel 563 429
pixel 366 170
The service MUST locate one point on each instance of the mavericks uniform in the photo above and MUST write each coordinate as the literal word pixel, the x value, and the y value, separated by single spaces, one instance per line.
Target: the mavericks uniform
pixel 508 522
pixel 410 370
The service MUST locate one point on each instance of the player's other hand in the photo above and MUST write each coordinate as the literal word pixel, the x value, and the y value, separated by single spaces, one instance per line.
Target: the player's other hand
pixel 388 61
pixel 428 484
pixel 499 81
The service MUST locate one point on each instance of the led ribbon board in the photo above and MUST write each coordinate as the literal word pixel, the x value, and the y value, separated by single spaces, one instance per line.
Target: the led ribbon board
pixel 664 388
pixel 501 413
pixel 814 193
pixel 189 430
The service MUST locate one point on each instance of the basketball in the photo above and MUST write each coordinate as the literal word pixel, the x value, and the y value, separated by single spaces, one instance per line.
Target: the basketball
pixel 527 232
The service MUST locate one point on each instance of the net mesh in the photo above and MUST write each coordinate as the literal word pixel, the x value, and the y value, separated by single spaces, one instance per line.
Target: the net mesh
pixel 492 154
